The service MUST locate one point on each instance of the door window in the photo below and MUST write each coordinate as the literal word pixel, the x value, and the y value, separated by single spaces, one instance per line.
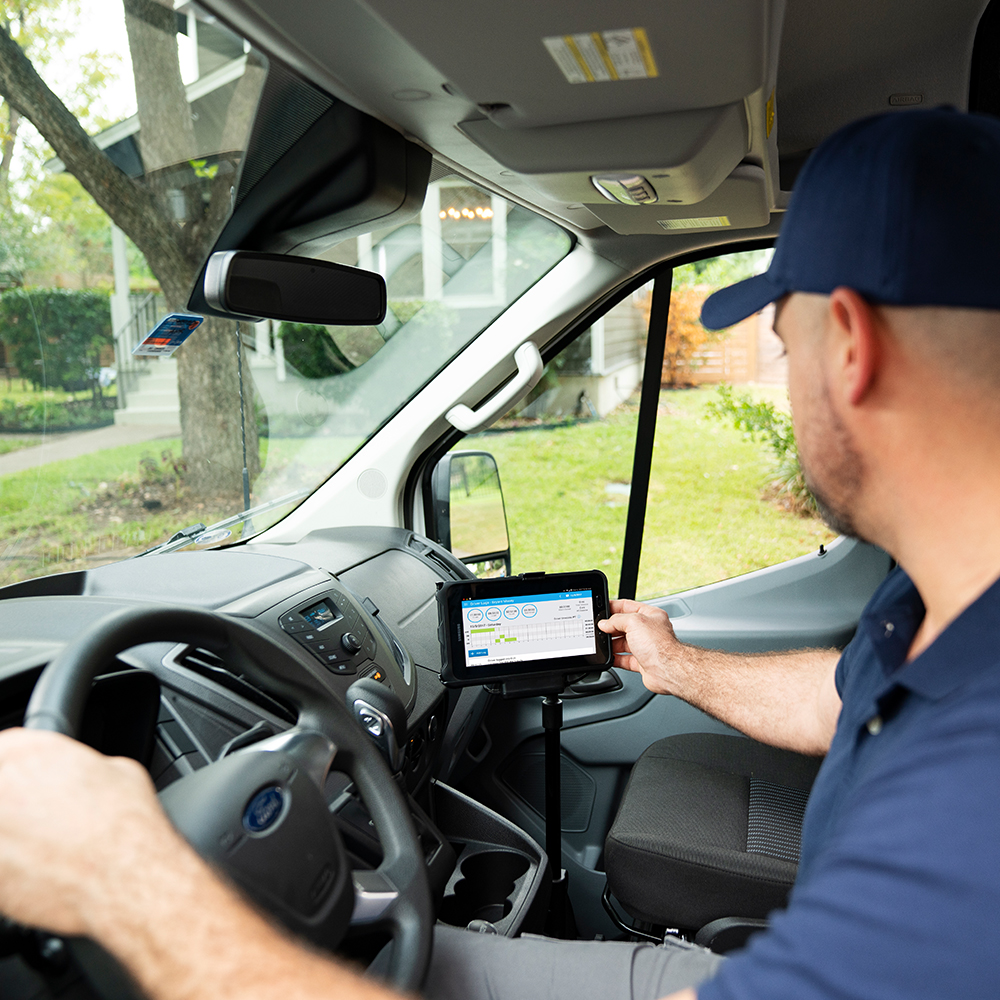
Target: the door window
pixel 724 496
pixel 723 499
pixel 565 452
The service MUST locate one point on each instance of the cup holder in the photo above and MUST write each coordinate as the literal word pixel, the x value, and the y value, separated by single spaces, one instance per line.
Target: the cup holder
pixel 484 890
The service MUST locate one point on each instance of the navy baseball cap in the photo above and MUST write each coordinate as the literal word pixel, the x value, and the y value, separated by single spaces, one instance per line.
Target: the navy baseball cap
pixel 903 207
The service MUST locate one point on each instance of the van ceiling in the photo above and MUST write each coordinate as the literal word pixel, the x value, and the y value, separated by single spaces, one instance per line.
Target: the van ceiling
pixel 523 97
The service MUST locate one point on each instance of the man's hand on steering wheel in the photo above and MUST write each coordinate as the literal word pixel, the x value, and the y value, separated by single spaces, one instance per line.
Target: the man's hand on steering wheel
pixel 86 849
pixel 74 827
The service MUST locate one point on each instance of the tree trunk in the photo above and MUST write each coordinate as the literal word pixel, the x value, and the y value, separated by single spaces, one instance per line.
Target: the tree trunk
pixel 210 411
pixel 173 247
pixel 166 132
pixel 7 151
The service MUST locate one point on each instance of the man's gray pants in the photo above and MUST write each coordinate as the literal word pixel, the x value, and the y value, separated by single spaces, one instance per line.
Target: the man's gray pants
pixel 469 966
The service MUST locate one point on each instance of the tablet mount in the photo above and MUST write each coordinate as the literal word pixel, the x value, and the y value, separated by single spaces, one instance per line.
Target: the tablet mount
pixel 560 922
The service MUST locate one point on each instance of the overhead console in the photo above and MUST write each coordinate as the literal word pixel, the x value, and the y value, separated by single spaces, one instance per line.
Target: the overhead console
pixel 696 148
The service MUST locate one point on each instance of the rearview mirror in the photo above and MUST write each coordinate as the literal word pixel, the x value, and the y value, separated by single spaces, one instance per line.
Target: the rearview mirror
pixel 467 511
pixel 296 289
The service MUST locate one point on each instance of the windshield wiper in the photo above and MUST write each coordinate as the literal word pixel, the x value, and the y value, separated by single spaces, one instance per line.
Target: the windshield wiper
pixel 187 535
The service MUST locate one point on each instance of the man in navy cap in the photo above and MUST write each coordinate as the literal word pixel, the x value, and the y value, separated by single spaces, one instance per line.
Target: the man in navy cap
pixel 887 284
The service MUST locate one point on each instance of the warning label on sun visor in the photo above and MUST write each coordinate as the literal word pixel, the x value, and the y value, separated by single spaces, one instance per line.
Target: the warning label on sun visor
pixel 603 56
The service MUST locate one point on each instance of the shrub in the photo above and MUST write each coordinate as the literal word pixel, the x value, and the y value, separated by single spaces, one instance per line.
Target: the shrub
pixel 54 336
pixel 762 421
pixel 42 415
pixel 685 334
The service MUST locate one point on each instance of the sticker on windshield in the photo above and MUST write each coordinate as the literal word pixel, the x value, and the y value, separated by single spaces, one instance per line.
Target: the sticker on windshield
pixel 601 56
pixel 168 335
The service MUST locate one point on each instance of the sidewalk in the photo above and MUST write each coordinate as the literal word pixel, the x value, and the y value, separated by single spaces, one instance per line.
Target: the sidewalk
pixel 60 446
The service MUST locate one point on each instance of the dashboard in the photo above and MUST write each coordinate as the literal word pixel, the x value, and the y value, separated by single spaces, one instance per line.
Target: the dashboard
pixel 350 603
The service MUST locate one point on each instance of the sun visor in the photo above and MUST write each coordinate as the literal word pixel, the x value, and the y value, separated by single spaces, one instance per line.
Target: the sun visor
pixel 528 64
pixel 684 155
pixel 739 202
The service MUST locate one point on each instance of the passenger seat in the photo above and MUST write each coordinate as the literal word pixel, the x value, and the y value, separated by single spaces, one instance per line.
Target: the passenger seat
pixel 709 827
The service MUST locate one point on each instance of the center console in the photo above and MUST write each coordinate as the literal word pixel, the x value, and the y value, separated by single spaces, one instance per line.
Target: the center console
pixel 500 874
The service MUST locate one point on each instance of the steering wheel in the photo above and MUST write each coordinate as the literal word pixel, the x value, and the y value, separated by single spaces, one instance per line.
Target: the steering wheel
pixel 260 814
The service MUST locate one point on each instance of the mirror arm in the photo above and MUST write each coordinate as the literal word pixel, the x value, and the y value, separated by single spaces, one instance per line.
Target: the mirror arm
pixel 529 371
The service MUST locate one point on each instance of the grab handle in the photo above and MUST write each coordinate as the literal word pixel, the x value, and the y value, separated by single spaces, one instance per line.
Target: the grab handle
pixel 529 371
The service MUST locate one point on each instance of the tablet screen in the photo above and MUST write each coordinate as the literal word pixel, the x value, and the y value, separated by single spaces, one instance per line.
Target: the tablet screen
pixel 543 626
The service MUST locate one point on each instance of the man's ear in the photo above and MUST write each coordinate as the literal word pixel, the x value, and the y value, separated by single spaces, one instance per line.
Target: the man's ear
pixel 854 326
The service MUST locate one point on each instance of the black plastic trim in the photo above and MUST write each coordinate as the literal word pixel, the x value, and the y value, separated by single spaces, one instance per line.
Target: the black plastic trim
pixel 652 376
pixel 984 77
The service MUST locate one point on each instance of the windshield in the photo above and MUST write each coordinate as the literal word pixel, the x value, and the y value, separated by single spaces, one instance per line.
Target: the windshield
pixel 105 453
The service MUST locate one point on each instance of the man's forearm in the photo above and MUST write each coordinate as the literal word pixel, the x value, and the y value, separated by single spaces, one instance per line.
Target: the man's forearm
pixel 127 880
pixel 185 935
pixel 784 699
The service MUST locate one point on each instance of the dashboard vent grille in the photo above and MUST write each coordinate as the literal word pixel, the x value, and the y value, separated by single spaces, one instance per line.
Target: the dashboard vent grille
pixel 212 666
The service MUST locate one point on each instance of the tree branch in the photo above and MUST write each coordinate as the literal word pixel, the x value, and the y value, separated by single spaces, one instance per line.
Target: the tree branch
pixel 131 206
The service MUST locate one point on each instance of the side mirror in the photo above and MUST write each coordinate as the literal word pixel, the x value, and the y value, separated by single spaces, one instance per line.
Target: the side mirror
pixel 467 512
pixel 297 289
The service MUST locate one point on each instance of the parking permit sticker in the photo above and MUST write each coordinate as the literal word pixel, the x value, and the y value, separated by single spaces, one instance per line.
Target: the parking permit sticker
pixel 168 335
pixel 602 56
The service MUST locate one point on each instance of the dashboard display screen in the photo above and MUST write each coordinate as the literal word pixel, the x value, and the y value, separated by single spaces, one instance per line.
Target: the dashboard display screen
pixel 504 628
pixel 319 614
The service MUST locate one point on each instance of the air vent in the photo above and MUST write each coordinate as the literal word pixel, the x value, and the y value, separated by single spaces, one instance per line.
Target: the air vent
pixel 210 665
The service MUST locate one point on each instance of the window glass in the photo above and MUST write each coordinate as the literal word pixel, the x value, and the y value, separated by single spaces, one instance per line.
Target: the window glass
pixel 565 452
pixel 719 503
pixel 104 454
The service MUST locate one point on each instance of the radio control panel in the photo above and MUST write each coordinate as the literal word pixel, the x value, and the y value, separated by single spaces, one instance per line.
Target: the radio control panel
pixel 333 631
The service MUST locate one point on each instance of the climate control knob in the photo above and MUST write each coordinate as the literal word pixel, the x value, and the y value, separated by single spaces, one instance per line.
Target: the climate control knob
pixel 351 643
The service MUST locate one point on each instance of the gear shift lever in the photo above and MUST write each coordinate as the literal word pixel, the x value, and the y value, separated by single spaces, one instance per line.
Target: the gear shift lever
pixel 380 711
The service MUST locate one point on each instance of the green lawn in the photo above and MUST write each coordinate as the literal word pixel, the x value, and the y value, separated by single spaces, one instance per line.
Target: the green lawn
pixel 17 442
pixel 565 491
pixel 20 390
pixel 566 500
pixel 42 528
pixel 67 515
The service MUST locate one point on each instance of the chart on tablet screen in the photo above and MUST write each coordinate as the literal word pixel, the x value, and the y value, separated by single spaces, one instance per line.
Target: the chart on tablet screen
pixel 536 627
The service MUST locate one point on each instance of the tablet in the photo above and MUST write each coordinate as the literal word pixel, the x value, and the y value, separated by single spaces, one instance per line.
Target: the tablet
pixel 505 628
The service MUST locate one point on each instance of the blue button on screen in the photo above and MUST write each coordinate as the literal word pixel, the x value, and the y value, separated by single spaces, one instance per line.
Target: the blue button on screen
pixel 479 652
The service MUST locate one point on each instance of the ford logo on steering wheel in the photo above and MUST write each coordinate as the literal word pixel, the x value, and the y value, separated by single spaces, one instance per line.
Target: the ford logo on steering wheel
pixel 264 809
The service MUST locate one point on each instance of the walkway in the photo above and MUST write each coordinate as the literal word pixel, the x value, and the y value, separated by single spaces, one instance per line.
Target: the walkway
pixel 56 447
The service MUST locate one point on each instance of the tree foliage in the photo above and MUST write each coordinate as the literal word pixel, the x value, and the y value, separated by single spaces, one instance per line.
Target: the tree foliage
pixel 761 420
pixel 54 337
pixel 311 351
pixel 173 212
pixel 718 272
pixel 71 235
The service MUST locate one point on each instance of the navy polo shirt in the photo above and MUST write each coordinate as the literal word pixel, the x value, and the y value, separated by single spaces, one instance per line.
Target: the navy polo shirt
pixel 898 889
